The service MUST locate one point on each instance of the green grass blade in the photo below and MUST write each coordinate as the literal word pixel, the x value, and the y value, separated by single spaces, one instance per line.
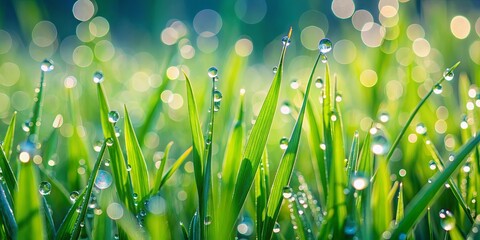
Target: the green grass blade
pixel 184 231
pixel 353 156
pixel 413 114
pixel 198 152
pixel 119 168
pixel 400 208
pixel 88 192
pixel 66 228
pixel 7 172
pixel 9 135
pixel 381 206
pixel 261 191
pixel 49 225
pixel 231 161
pixel 28 209
pixel 256 143
pixel 319 164
pixel 138 172
pixel 285 170
pixel 417 206
pixel 175 166
pixel 35 121
pixel 6 213
pixel 159 174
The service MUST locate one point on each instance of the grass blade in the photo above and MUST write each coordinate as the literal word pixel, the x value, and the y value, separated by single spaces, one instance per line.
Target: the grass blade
pixel 118 165
pixel 381 206
pixel 88 192
pixel 159 174
pixel 175 166
pixel 8 139
pixel 400 211
pixel 285 170
pixel 66 228
pixel 6 211
pixel 138 172
pixel 414 112
pixel 261 192
pixel 428 193
pixel 7 172
pixel 256 143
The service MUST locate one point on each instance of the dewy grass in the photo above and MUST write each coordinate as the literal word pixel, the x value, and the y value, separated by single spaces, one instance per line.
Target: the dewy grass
pixel 333 194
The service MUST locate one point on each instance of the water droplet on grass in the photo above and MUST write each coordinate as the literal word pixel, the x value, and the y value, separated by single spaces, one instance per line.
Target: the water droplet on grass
pixel 285 108
pixel 438 89
pixel 380 143
pixel 217 96
pixel 432 165
pixel 109 142
pixel 113 116
pixel 129 168
pixel 384 117
pixel 212 72
pixel 98 77
pixel 421 129
pixel 74 196
pixel 448 74
pixel 447 220
pixel 47 65
pixel 45 188
pixel 97 146
pixel 274 69
pixel 287 192
pixel 103 180
pixel 325 45
pixel 216 106
pixel 276 228
pixel 286 41
pixel 207 220
pixel 350 228
pixel 283 143
pixel 319 83
pixel 359 182
pixel 323 58
pixel 294 84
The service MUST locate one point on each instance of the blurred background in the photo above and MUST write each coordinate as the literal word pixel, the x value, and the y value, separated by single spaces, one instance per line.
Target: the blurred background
pixel 386 55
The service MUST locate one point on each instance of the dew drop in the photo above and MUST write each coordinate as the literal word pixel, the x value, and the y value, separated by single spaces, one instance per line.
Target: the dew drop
pixel 447 220
pixel 216 106
pixel 103 180
pixel 129 168
pixel 276 228
pixel 275 69
pixel 421 129
pixel 325 45
pixel 448 74
pixel 286 41
pixel 283 143
pixel 319 83
pixel 294 84
pixel 323 58
pixel 27 125
pixel 113 116
pixel 380 143
pixel 285 108
pixel 207 220
pixel 47 65
pixel 74 196
pixel 98 77
pixel 384 117
pixel 338 97
pixel 212 72
pixel 45 188
pixel 438 89
pixel 287 192
pixel 97 146
pixel 432 165
pixel 109 142
pixel 117 131
pixel 217 96
pixel 359 182
pixel 350 228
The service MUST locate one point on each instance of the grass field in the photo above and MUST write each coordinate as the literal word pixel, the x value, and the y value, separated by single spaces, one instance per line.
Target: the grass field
pixel 240 120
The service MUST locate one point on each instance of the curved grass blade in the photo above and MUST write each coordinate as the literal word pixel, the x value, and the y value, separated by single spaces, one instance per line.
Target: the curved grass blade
pixel 7 172
pixel 428 193
pixel 261 192
pixel 6 212
pixel 9 135
pixel 28 209
pixel 285 169
pixel 400 210
pixel 88 192
pixel 66 228
pixel 175 166
pixel 184 231
pixel 159 174
pixel 198 151
pixel 414 112
pixel 256 143
pixel 122 181
pixel 138 172
pixel 49 225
